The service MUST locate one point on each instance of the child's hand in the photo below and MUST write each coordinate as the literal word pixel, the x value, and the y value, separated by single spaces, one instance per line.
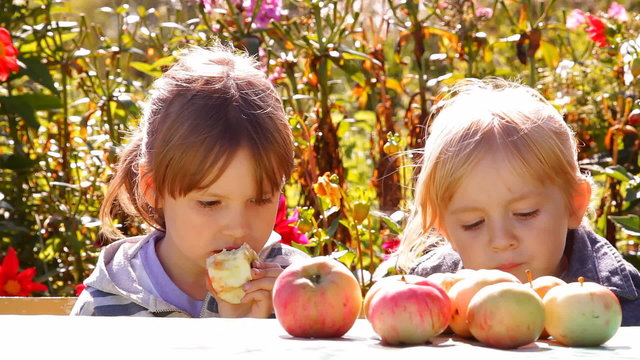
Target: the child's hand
pixel 256 302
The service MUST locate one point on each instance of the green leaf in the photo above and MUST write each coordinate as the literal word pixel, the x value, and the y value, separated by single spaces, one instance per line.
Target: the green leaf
pixel 367 116
pixel 10 227
pixel 393 227
pixel 163 61
pixel 353 54
pixel 16 162
pixel 630 224
pixel 615 171
pixel 20 106
pixel 344 256
pixel 172 25
pixel 333 227
pixel 38 72
pixel 550 53
pixel 145 68
pixel 619 172
pixel 25 106
pixel 41 101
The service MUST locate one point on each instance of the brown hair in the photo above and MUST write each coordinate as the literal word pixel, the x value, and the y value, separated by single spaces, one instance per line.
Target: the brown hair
pixel 480 117
pixel 200 112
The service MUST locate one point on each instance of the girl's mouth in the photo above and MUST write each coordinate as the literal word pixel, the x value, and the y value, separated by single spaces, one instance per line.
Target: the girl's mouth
pixel 508 267
pixel 228 248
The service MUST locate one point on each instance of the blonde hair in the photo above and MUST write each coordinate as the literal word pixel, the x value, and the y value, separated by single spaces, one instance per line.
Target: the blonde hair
pixel 208 105
pixel 474 118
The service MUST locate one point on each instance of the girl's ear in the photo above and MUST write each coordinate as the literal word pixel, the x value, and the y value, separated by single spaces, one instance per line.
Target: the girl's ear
pixel 147 188
pixel 580 203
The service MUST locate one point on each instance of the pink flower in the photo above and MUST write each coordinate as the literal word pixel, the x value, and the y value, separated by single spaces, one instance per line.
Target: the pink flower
pixel 484 12
pixel 575 19
pixel 390 246
pixel 208 5
pixel 596 30
pixel 276 74
pixel 618 12
pixel 269 10
pixel 284 227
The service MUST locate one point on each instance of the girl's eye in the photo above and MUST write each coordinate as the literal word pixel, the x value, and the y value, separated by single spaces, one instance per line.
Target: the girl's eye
pixel 263 201
pixel 208 203
pixel 528 214
pixel 472 226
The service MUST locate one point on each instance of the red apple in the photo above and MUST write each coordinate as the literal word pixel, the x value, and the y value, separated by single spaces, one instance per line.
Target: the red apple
pixel 380 283
pixel 318 297
pixel 403 312
pixel 462 292
pixel 541 286
pixel 582 313
pixel 506 315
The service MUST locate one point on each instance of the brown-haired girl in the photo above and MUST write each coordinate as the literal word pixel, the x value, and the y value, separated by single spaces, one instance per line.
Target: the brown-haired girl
pixel 204 170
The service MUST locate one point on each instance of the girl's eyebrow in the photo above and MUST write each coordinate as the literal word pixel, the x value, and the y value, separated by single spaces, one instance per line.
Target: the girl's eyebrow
pixel 524 196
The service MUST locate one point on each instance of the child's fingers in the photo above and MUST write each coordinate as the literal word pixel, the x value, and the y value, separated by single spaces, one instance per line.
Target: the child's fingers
pixel 262 273
pixel 261 305
pixel 265 283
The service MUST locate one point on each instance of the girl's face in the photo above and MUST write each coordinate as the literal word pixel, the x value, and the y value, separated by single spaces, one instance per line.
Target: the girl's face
pixel 500 219
pixel 223 216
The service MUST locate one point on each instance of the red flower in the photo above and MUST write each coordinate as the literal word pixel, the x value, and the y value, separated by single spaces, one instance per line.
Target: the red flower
pixel 79 289
pixel 596 30
pixel 289 233
pixel 8 53
pixel 13 283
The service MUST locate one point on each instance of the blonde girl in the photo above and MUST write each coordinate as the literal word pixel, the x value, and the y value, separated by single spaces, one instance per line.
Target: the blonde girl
pixel 500 188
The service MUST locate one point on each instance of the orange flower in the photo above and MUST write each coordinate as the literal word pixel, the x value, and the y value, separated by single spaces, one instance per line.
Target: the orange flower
pixel 8 53
pixel 326 187
pixel 13 283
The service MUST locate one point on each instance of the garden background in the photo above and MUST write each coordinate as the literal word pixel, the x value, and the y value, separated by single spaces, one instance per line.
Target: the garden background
pixel 358 80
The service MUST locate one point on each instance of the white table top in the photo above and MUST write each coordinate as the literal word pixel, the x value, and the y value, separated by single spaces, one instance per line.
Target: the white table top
pixel 63 337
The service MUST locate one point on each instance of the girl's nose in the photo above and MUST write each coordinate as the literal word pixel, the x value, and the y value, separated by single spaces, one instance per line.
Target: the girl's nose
pixel 237 224
pixel 502 237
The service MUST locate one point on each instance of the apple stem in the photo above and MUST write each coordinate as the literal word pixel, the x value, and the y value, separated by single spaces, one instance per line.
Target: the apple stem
pixel 581 280
pixel 529 277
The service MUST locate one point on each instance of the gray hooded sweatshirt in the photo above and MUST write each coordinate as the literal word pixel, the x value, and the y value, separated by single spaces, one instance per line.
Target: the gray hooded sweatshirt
pixel 120 284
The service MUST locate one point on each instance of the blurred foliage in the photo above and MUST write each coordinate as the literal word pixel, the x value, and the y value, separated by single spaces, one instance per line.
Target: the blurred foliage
pixel 358 80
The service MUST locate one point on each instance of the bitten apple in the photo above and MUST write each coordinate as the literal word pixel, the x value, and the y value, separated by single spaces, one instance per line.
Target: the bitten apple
pixel 462 292
pixel 541 286
pixel 318 297
pixel 582 313
pixel 506 315
pixel 403 312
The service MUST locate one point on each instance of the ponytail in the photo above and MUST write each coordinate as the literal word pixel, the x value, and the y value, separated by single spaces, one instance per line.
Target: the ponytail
pixel 124 193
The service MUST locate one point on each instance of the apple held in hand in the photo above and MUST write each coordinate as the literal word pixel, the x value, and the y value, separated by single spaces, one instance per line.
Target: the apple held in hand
pixel 582 313
pixel 506 315
pixel 409 312
pixel 318 297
